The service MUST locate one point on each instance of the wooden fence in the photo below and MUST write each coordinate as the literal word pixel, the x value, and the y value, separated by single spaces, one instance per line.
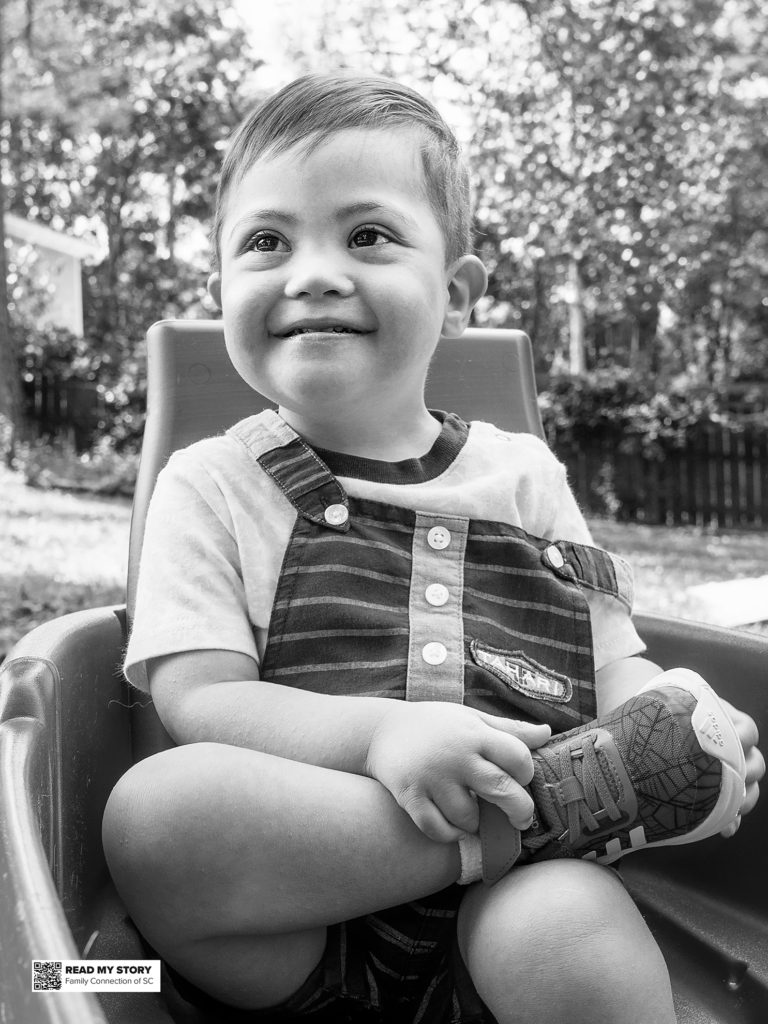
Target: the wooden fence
pixel 72 409
pixel 719 479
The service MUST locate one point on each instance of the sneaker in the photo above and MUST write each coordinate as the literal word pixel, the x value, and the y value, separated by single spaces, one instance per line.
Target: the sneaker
pixel 665 768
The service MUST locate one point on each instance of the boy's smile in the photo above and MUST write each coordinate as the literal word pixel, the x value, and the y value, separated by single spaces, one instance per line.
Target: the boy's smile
pixel 335 292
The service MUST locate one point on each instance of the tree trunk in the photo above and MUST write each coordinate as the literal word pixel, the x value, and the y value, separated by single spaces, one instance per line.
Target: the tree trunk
pixel 538 299
pixel 577 357
pixel 11 418
pixel 170 231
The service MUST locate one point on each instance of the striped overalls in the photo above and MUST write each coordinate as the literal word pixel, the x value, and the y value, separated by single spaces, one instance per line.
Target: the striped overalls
pixel 378 600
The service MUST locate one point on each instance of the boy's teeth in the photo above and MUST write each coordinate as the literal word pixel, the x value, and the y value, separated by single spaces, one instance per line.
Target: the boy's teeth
pixel 323 330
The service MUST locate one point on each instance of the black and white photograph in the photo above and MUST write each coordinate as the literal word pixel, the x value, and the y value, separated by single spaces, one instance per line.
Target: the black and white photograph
pixel 383 511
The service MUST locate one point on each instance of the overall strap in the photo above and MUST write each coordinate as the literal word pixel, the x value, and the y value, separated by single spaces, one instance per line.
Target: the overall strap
pixel 297 470
pixel 591 567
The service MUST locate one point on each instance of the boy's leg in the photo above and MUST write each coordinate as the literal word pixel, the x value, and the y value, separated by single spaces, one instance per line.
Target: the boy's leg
pixel 562 942
pixel 233 862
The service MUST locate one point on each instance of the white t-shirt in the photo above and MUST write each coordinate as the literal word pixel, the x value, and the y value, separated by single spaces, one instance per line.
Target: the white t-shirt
pixel 218 527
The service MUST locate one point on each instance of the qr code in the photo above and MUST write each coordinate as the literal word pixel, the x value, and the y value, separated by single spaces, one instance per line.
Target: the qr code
pixel 46 975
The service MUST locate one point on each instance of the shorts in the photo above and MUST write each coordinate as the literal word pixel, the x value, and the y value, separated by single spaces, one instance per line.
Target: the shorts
pixel 399 966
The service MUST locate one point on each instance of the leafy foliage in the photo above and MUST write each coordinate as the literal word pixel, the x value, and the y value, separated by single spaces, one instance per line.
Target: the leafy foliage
pixel 116 116
pixel 617 153
pixel 616 405
pixel 624 136
pixel 103 471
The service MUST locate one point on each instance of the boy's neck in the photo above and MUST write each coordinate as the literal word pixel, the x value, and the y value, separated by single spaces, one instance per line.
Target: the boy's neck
pixel 392 440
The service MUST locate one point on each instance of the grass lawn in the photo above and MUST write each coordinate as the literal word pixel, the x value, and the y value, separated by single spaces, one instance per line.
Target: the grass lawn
pixel 61 551
pixel 667 559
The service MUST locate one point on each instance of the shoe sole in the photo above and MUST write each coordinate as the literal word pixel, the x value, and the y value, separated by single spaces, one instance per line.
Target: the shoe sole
pixel 716 735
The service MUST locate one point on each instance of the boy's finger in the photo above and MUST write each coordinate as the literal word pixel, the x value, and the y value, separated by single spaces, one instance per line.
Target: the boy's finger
pixel 428 817
pixel 755 766
pixel 497 787
pixel 507 752
pixel 731 829
pixel 515 803
pixel 531 735
pixel 457 805
pixel 751 798
pixel 746 726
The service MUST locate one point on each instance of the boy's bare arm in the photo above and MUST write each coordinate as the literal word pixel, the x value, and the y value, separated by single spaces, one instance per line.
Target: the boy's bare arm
pixel 217 696
pixel 431 756
pixel 619 680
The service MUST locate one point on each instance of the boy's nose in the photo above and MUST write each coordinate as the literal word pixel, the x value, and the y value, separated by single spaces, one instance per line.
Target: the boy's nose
pixel 317 275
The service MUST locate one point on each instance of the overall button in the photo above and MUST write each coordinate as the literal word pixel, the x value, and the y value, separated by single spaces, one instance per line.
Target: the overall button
pixel 434 653
pixel 336 515
pixel 554 557
pixel 436 594
pixel 438 538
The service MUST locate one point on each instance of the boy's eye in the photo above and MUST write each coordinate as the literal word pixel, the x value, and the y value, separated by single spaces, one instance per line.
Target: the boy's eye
pixel 264 242
pixel 365 237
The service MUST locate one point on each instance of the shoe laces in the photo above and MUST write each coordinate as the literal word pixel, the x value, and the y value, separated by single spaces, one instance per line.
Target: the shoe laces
pixel 579 799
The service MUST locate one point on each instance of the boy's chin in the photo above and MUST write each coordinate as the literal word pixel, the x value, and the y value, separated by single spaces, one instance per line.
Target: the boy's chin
pixel 328 382
pixel 309 388
pixel 324 399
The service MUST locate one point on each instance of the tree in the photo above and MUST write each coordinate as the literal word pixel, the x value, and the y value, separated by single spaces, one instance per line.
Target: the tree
pixel 120 113
pixel 10 387
pixel 617 152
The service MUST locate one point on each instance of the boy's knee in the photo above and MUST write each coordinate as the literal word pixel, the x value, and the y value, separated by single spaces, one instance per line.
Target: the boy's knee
pixel 560 935
pixel 542 908
pixel 165 818
pixel 150 816
pixel 138 820
pixel 161 838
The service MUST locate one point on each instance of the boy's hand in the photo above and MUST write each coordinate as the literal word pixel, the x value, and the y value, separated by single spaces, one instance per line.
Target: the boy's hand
pixel 748 734
pixel 433 755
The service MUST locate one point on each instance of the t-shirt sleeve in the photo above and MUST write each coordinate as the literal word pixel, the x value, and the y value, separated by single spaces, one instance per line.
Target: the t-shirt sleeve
pixel 190 593
pixel 613 633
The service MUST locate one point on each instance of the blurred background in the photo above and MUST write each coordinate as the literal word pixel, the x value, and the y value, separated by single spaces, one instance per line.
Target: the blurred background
pixel 619 161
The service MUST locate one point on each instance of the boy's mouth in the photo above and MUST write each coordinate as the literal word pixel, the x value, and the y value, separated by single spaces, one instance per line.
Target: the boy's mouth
pixel 322 328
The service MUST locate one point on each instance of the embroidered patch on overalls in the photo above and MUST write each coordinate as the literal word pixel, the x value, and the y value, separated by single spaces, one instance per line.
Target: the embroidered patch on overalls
pixel 523 673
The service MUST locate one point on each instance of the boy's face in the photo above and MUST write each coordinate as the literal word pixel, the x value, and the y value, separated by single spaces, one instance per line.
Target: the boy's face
pixel 333 281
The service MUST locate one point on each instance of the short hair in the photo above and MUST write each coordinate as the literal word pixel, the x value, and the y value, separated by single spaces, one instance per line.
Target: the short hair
pixel 316 106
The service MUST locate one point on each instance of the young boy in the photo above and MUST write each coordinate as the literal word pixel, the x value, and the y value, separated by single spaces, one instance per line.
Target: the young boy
pixel 358 619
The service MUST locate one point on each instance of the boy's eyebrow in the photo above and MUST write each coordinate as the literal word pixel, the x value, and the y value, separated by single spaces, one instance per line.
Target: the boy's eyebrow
pixel 371 206
pixel 254 215
pixel 365 206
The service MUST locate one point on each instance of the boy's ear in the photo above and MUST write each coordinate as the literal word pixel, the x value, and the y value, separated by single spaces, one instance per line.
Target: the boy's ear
pixel 466 284
pixel 214 288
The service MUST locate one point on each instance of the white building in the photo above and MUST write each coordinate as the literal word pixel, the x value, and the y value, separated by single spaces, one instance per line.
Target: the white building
pixel 59 259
